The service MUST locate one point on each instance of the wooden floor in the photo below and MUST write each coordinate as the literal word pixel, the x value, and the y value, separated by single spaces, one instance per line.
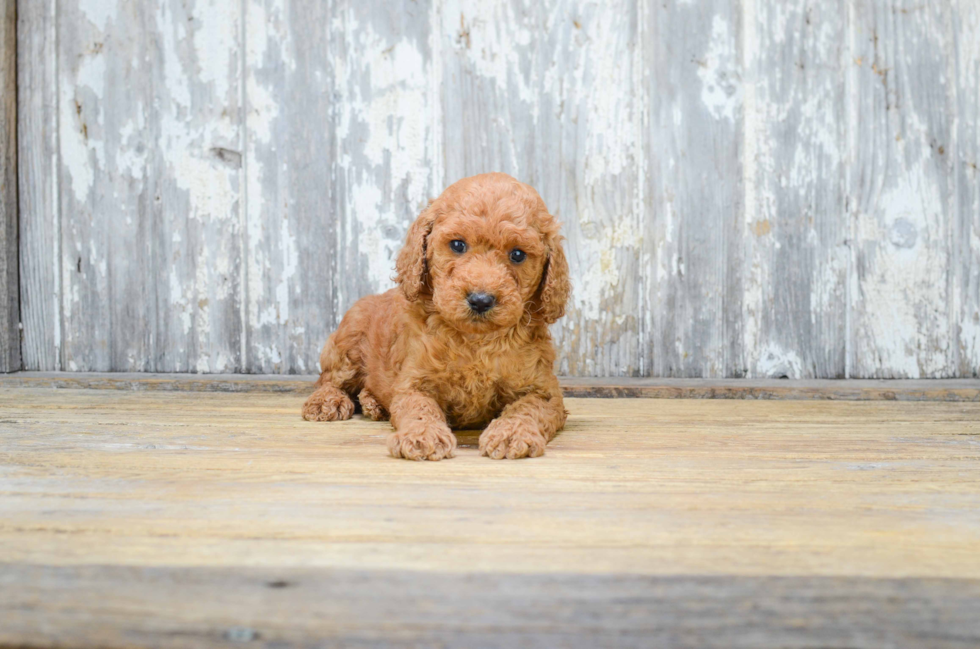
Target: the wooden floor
pixel 182 519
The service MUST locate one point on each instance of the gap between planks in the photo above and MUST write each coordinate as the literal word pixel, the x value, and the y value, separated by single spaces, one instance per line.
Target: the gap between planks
pixel 951 390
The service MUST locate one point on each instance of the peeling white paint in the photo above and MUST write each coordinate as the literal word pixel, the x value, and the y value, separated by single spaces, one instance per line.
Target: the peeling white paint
pixel 485 30
pixel 215 45
pixel 721 88
pixel 82 146
pixel 903 295
pixel 599 273
pixel 776 363
pixel 567 91
pixel 98 12
pixel 388 99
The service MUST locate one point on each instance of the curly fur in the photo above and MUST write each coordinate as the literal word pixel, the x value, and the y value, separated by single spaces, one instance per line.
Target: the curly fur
pixel 419 356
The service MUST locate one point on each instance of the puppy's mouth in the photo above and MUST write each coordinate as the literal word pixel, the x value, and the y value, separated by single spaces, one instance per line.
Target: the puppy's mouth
pixel 482 319
pixel 481 316
pixel 477 311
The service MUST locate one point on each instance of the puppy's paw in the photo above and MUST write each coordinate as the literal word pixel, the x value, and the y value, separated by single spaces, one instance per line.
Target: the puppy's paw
pixel 511 439
pixel 419 440
pixel 370 406
pixel 328 404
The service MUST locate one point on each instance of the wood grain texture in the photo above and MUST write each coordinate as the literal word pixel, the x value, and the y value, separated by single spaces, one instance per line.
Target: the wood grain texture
pixel 339 163
pixel 202 517
pixel 901 189
pixel 385 170
pixel 952 390
pixel 150 150
pixel 112 606
pixel 9 282
pixel 694 200
pixel 37 171
pixel 750 188
pixel 966 162
pixel 545 91
pixel 290 150
pixel 796 228
pixel 634 486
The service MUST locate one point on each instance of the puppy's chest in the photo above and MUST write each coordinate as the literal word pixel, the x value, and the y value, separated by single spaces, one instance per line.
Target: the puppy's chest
pixel 475 389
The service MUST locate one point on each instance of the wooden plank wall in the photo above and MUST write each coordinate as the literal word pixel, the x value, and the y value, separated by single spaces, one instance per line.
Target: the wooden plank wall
pixel 9 284
pixel 749 188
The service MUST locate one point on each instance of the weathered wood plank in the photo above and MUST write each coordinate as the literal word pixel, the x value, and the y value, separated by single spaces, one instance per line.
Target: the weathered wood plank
pixel 387 149
pixel 633 486
pixel 966 240
pixel 694 151
pixel 188 519
pixel 902 111
pixel 694 202
pixel 290 157
pixel 339 164
pixel 544 91
pixel 9 282
pixel 37 164
pixel 796 228
pixel 952 390
pixel 111 606
pixel 150 150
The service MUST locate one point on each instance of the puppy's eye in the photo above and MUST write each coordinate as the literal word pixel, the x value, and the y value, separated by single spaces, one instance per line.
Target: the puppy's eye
pixel 517 255
pixel 457 246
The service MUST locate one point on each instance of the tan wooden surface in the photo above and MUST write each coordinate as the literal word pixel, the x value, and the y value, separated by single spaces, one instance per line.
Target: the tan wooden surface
pixel 152 509
pixel 654 487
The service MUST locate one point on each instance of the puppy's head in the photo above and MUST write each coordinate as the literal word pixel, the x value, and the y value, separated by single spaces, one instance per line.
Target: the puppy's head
pixel 486 254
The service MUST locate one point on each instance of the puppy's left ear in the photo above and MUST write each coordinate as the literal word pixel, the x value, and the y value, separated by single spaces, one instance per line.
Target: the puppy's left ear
pixel 412 266
pixel 555 287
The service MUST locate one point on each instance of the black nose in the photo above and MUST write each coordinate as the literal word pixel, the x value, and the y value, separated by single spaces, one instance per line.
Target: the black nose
pixel 481 302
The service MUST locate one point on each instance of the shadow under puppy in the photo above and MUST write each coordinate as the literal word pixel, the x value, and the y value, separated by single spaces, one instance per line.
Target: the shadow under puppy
pixel 463 341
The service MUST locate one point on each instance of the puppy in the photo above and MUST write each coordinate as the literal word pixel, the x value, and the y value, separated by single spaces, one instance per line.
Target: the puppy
pixel 463 341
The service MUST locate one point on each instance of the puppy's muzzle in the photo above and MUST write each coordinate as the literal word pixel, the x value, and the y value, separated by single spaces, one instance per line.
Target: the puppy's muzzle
pixel 480 303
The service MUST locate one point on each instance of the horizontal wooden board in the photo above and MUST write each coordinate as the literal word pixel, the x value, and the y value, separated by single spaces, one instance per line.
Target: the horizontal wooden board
pixel 874 489
pixel 840 390
pixel 181 518
pixel 112 606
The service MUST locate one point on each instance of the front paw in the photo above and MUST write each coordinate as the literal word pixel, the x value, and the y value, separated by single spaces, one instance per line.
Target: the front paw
pixel 419 440
pixel 328 403
pixel 513 439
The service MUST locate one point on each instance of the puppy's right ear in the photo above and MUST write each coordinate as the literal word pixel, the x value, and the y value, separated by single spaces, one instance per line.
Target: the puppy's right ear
pixel 412 266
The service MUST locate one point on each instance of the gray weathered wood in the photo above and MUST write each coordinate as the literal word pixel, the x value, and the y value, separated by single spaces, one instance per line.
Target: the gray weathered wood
pixel 966 161
pixel 118 606
pixel 386 103
pixel 749 187
pixel 37 144
pixel 340 162
pixel 902 112
pixel 150 143
pixel 290 150
pixel 9 283
pixel 545 91
pixel 795 227
pixel 694 199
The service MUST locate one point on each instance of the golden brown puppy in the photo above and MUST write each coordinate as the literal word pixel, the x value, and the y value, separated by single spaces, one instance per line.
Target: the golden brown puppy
pixel 463 341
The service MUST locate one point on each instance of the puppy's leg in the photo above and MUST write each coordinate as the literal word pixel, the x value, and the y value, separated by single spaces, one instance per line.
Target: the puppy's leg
pixel 524 427
pixel 421 432
pixel 370 406
pixel 330 401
